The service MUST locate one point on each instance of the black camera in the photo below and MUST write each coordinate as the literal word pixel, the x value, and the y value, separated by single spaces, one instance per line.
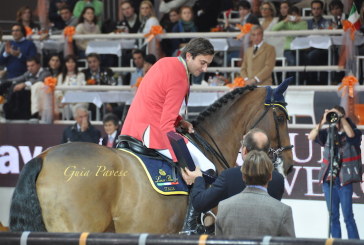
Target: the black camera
pixel 332 117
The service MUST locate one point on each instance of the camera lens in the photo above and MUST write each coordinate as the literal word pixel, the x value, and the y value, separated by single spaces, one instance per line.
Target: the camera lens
pixel 332 117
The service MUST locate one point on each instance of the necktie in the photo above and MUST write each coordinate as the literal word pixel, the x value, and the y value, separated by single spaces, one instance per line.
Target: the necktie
pixel 255 49
pixel 110 142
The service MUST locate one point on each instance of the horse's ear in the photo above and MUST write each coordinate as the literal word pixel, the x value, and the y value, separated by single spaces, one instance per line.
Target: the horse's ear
pixel 278 92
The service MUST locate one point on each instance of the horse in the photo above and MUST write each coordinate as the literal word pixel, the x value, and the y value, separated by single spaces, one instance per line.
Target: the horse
pixel 77 187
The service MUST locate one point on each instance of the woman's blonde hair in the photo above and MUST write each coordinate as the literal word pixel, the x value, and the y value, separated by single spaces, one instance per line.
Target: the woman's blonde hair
pixel 150 4
pixel 257 168
pixel 271 6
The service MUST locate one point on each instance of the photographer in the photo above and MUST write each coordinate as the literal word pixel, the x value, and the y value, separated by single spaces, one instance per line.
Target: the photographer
pixel 346 166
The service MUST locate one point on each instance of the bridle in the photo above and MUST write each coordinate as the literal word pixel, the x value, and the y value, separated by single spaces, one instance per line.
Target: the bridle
pixel 275 153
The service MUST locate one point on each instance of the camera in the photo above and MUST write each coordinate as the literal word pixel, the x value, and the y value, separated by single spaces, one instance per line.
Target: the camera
pixel 292 18
pixel 332 117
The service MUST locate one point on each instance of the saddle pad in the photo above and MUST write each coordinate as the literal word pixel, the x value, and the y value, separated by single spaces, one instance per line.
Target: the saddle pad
pixel 159 173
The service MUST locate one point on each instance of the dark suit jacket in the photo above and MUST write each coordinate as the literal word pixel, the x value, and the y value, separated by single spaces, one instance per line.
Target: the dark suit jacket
pixel 254 213
pixel 71 134
pixel 229 183
pixel 103 71
pixel 106 138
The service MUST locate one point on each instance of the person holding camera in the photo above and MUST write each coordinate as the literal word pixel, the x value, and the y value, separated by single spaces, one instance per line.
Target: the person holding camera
pixel 346 166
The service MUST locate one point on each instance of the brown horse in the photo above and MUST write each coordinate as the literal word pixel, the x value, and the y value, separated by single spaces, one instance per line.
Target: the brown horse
pixel 78 187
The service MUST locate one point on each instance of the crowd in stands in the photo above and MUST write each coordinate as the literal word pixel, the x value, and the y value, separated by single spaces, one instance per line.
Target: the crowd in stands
pixel 86 16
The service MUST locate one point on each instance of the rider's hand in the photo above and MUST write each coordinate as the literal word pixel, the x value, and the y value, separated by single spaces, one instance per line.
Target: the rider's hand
pixel 186 126
pixel 190 176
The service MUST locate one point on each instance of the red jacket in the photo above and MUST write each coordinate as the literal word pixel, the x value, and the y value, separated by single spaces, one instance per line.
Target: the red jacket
pixel 157 104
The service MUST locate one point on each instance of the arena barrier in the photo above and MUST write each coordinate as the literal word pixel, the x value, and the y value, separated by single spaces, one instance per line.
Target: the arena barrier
pixel 42 238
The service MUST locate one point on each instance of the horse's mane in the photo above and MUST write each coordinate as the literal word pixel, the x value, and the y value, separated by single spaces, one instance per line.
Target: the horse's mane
pixel 222 101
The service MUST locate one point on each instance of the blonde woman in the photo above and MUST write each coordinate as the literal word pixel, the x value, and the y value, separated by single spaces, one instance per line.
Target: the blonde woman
pixel 268 12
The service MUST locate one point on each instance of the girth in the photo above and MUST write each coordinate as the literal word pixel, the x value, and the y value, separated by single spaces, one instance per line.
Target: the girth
pixel 136 146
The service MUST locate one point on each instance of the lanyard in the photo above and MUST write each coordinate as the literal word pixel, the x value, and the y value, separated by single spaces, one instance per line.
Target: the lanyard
pixel 188 81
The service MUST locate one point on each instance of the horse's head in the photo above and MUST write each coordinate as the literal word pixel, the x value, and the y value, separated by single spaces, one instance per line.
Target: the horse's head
pixel 280 150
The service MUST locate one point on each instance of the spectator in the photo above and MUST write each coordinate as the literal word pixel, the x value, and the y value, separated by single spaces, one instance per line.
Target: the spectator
pixel 55 12
pixel 82 130
pixel 290 23
pixel 337 10
pixel 268 12
pixel 253 212
pixel 55 65
pixel 314 56
pixel 138 59
pixel 130 22
pixel 283 10
pixel 111 127
pixel 97 5
pixel 24 17
pixel 165 7
pixel 346 153
pixel 245 14
pixel 100 75
pixel 17 51
pixel 25 100
pixel 230 182
pixel 259 60
pixel 67 18
pixel 148 19
pixel 149 61
pixel 185 24
pixel 87 24
pixel 167 26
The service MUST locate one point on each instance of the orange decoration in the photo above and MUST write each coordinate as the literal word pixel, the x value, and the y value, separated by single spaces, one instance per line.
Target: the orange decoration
pixel 216 29
pixel 348 81
pixel 238 82
pixel 154 31
pixel 138 81
pixel 2 100
pixel 348 26
pixel 91 82
pixel 28 31
pixel 68 32
pixel 245 29
pixel 51 82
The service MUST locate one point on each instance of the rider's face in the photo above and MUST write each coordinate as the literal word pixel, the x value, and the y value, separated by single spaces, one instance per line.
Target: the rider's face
pixel 198 64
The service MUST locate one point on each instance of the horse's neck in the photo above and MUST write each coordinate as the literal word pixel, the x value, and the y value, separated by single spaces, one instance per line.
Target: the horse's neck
pixel 228 125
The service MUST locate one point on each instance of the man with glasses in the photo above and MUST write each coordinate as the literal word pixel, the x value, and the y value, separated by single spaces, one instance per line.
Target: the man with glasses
pixel 16 52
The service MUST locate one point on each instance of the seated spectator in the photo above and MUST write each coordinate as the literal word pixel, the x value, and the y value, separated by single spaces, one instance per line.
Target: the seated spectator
pixel 283 10
pixel 87 24
pixel 185 24
pixel 253 212
pixel 138 59
pixel 259 60
pixel 55 65
pixel 97 5
pixel 337 11
pixel 165 7
pixel 130 22
pixel 26 91
pixel 268 12
pixel 16 52
pixel 82 130
pixel 245 16
pixel 99 75
pixel 67 19
pixel 167 25
pixel 290 23
pixel 112 130
pixel 148 19
pixel 55 12
pixel 24 17
pixel 314 56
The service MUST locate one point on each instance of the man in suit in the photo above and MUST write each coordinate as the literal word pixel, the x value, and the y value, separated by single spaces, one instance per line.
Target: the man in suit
pixel 230 181
pixel 101 75
pixel 111 127
pixel 253 212
pixel 82 130
pixel 259 60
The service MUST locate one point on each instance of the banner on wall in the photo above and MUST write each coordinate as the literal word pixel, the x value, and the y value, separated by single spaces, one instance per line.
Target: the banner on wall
pixel 21 142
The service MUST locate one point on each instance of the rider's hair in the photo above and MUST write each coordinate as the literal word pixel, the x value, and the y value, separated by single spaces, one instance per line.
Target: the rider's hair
pixel 257 168
pixel 198 46
pixel 251 143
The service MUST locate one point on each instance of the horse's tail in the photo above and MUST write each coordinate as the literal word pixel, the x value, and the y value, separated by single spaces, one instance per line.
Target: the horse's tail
pixel 25 211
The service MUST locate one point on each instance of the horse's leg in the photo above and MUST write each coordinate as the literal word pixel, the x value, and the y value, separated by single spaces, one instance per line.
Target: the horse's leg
pixel 141 209
pixel 74 201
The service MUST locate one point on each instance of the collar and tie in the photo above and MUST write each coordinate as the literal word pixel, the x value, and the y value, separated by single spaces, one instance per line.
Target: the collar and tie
pixel 255 49
pixel 110 142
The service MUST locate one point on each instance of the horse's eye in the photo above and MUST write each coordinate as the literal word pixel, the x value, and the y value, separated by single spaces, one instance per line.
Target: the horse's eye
pixel 281 119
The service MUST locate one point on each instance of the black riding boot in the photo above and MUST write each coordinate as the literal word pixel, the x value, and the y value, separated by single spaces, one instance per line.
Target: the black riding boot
pixel 190 223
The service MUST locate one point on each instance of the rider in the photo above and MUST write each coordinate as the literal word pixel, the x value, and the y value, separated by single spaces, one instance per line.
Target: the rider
pixel 156 105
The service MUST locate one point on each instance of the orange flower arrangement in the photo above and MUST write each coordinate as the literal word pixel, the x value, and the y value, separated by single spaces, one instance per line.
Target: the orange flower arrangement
pixel 348 81
pixel 348 26
pixel 28 31
pixel 51 82
pixel 238 82
pixel 217 29
pixel 154 31
pixel 2 100
pixel 245 29
pixel 69 31
pixel 138 81
pixel 91 82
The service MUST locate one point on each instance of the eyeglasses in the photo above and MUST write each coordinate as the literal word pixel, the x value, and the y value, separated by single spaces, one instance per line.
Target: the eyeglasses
pixel 15 30
pixel 265 9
